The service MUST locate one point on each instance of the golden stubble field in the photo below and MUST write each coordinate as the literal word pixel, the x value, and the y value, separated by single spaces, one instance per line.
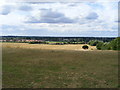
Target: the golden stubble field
pixel 49 47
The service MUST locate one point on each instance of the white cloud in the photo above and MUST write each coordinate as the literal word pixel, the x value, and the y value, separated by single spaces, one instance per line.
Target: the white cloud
pixel 11 19
pixel 78 18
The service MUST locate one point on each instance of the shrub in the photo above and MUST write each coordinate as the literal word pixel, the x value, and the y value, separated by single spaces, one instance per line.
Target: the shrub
pixel 113 45
pixel 106 46
pixel 38 42
pixel 118 43
pixel 99 45
pixel 85 47
pixel 93 42
pixel 81 42
pixel 33 42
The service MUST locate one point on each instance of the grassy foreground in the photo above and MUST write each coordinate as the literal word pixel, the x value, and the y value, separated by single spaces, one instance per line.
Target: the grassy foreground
pixel 37 68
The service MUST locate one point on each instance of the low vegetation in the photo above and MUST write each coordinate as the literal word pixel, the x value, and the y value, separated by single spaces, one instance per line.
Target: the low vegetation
pixel 61 64
pixel 26 66
pixel 112 45
pixel 93 42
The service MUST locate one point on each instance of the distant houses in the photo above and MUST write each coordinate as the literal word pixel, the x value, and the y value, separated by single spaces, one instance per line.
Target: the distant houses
pixel 33 41
pixel 21 40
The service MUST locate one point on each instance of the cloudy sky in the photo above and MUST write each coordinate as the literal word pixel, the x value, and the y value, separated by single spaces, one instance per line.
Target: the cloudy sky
pixel 59 18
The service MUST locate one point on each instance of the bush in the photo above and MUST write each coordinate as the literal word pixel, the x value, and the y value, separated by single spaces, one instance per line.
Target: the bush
pixel 38 42
pixel 85 47
pixel 81 42
pixel 106 46
pixel 113 45
pixel 99 45
pixel 118 43
pixel 93 42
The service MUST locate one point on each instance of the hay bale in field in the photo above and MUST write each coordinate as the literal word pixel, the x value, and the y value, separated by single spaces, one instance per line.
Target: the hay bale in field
pixel 85 47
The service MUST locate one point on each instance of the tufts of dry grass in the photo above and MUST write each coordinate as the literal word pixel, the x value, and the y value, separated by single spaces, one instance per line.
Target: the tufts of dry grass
pixel 38 68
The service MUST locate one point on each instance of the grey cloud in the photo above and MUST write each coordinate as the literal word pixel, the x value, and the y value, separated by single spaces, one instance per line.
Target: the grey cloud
pixel 25 8
pixel 5 10
pixel 92 16
pixel 9 26
pixel 49 16
pixel 12 27
pixel 40 2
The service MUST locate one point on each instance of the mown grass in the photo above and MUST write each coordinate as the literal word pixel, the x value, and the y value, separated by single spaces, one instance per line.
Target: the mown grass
pixel 33 68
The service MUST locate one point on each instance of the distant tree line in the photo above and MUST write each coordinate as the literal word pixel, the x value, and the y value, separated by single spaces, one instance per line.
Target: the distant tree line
pixel 101 43
pixel 69 40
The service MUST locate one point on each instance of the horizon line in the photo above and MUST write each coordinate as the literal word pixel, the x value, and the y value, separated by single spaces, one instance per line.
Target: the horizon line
pixel 59 36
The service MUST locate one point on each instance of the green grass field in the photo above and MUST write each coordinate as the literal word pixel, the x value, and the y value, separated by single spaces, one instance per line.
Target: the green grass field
pixel 35 68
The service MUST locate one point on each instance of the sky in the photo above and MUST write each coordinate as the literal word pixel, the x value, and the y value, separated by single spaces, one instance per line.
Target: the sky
pixel 77 19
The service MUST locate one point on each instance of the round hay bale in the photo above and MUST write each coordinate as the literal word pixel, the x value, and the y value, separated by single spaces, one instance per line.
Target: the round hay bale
pixel 85 47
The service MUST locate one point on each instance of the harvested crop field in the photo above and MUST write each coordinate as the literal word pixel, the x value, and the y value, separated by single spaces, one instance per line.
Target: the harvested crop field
pixel 59 66
pixel 46 46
